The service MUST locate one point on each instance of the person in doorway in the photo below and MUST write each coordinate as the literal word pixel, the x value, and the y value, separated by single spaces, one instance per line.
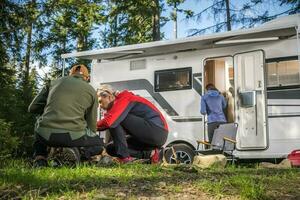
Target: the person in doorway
pixel 212 105
pixel 137 127
pixel 68 109
pixel 229 111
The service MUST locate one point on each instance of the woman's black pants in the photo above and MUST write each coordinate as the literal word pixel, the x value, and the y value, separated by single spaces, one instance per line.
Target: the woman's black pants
pixel 136 137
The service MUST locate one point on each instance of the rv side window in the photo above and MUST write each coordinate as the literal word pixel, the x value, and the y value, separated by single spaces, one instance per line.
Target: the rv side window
pixel 283 73
pixel 175 79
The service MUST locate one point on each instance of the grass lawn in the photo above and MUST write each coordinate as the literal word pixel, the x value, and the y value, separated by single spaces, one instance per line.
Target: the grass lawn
pixel 137 181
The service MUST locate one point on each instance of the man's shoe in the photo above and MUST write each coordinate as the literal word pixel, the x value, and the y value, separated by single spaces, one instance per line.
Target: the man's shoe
pixel 40 163
pixel 125 160
pixel 156 156
pixel 106 160
pixel 64 156
pixel 70 156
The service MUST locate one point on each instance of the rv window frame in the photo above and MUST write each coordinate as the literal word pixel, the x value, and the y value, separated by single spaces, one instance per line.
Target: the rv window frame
pixel 280 59
pixel 188 69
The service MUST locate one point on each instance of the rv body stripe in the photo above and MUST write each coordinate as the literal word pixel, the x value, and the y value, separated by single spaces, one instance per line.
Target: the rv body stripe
pixel 282 116
pixel 197 83
pixel 188 120
pixel 288 105
pixel 143 84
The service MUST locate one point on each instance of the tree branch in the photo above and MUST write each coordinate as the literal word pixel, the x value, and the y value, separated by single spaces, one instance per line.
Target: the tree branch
pixel 30 21
pixel 199 31
pixel 203 11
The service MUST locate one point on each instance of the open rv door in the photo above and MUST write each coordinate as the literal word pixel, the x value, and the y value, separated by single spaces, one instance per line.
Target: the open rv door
pixel 250 100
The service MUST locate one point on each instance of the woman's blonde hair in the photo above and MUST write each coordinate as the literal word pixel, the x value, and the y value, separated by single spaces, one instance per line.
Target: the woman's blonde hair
pixel 106 89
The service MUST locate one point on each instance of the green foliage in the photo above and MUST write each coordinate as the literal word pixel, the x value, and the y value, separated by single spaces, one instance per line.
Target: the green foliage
pixel 70 22
pixel 33 33
pixel 132 22
pixel 8 97
pixel 8 143
pixel 13 109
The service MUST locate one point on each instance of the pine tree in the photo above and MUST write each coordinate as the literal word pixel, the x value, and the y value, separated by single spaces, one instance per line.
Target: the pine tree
pixel 175 4
pixel 239 17
pixel 132 22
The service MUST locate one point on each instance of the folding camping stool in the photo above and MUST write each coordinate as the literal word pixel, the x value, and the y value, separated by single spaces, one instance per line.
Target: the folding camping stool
pixel 223 142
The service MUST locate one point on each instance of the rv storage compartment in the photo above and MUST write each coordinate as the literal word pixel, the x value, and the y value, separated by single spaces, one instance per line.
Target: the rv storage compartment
pixel 248 99
pixel 294 157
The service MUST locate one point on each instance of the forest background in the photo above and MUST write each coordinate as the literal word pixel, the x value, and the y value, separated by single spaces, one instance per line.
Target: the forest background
pixel 34 34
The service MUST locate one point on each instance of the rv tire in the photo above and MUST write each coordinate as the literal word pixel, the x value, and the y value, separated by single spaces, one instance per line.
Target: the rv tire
pixel 184 154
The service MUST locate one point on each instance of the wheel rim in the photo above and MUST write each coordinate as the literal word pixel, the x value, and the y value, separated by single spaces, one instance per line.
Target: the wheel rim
pixel 182 157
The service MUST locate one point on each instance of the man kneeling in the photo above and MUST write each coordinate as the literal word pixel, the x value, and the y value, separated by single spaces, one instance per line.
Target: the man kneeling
pixel 68 108
pixel 136 117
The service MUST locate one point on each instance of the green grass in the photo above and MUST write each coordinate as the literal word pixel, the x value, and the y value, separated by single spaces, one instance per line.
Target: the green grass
pixel 19 180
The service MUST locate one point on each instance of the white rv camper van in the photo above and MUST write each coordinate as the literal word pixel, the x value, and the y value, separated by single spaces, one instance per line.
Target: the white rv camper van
pixel 259 65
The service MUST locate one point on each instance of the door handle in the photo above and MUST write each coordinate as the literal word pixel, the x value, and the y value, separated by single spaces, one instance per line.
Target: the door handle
pixel 259 84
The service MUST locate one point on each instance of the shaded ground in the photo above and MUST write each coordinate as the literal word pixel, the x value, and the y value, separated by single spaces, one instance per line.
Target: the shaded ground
pixel 19 181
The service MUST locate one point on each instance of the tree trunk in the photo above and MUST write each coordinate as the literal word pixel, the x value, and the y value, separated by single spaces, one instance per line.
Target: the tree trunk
pixel 114 31
pixel 26 82
pixel 28 53
pixel 228 23
pixel 175 20
pixel 156 21
pixel 80 42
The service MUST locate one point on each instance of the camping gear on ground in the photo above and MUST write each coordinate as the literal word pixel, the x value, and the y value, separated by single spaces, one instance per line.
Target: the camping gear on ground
pixel 284 164
pixel 294 157
pixel 210 161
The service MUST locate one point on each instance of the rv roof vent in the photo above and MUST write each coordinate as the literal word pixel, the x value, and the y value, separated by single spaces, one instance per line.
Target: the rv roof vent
pixel 137 64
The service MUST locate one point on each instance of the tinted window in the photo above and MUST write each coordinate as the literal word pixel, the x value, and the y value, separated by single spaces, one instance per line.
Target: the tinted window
pixel 176 79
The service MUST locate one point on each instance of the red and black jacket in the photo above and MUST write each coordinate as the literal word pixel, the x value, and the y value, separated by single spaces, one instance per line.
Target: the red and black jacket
pixel 128 103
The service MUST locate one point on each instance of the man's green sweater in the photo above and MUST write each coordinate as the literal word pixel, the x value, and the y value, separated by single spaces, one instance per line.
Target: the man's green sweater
pixel 68 105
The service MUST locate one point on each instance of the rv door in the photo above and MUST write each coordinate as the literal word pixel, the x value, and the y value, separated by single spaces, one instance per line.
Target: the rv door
pixel 250 100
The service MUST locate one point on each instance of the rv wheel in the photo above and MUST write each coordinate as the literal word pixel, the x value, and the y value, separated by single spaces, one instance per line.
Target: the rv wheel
pixel 179 153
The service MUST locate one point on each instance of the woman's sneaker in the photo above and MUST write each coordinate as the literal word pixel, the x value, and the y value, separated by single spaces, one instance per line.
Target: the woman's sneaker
pixel 156 156
pixel 125 160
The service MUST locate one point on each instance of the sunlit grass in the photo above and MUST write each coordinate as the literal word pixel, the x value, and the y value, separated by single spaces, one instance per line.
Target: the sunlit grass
pixel 18 179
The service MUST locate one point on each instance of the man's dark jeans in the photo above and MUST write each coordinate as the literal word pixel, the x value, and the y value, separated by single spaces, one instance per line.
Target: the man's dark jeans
pixel 92 145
